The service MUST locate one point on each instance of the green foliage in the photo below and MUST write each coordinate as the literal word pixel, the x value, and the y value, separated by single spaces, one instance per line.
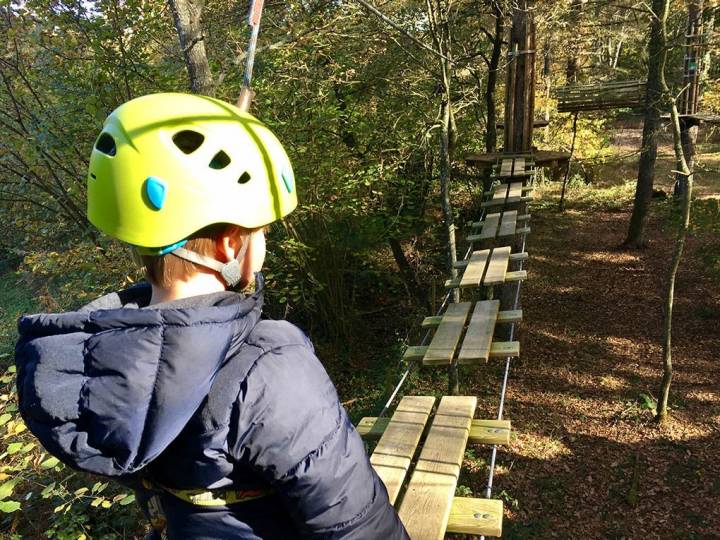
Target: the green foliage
pixel 32 483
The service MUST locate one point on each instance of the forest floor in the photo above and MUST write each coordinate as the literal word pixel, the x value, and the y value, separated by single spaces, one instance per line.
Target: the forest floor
pixel 587 459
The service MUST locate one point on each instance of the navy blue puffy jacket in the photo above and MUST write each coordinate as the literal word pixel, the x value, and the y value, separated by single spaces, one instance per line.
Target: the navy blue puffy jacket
pixel 201 393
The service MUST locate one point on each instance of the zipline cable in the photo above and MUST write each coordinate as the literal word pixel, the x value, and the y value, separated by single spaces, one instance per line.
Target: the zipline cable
pixel 246 93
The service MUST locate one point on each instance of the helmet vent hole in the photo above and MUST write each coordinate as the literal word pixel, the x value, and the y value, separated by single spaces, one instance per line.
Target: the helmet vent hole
pixel 220 161
pixel 188 141
pixel 244 178
pixel 106 144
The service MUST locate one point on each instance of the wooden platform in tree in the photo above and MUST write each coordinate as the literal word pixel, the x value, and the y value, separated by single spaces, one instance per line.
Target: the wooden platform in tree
pixel 600 96
pixel 429 508
pixel 541 158
pixel 514 167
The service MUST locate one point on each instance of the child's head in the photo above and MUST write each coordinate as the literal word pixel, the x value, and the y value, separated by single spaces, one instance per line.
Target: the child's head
pixel 188 181
pixel 221 242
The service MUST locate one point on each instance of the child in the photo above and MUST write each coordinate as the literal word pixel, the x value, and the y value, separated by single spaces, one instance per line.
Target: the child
pixel 227 425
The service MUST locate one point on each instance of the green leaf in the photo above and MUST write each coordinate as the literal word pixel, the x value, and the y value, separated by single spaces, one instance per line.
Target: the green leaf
pixel 49 463
pixel 7 488
pixel 80 491
pixel 29 446
pixel 4 419
pixel 14 448
pixel 127 500
pixel 45 493
pixel 9 506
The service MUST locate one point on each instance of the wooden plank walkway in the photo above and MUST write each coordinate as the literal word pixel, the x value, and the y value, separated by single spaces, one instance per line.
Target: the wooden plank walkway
pixel 516 167
pixel 489 227
pixel 499 225
pixel 503 194
pixel 447 336
pixel 428 507
pixel 497 267
pixel 495 271
pixel 396 449
pixel 479 335
pixel 372 428
pixel 508 225
pixel 425 508
pixel 475 269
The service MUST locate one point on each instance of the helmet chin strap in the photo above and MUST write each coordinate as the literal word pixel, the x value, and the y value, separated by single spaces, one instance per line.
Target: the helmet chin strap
pixel 230 271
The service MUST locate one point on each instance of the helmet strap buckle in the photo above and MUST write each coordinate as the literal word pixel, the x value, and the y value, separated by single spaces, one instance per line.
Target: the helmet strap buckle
pixel 231 271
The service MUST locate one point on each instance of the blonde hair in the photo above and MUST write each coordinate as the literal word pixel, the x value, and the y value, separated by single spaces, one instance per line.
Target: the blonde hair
pixel 164 270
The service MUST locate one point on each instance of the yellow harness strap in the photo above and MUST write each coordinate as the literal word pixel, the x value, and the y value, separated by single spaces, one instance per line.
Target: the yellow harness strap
pixel 220 497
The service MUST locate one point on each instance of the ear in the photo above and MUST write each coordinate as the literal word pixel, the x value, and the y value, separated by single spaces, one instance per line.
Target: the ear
pixel 228 244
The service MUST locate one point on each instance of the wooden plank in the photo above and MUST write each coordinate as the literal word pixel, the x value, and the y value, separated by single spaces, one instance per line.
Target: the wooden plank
pixel 431 322
pixel 489 432
pixel 481 431
pixel 497 267
pixel 518 257
pixel 498 349
pixel 514 192
pixel 503 349
pixel 517 275
pixel 475 269
pixel 508 224
pixel 371 427
pixel 510 316
pixel 478 338
pixel 500 192
pixel 452 283
pixel 490 227
pixel 479 517
pixel 416 351
pixel 442 347
pixel 425 508
pixel 396 448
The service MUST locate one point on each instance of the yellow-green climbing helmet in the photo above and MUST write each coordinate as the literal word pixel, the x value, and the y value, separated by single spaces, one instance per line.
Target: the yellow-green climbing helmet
pixel 167 165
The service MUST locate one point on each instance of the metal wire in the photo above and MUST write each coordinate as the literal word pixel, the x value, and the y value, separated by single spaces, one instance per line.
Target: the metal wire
pixel 503 390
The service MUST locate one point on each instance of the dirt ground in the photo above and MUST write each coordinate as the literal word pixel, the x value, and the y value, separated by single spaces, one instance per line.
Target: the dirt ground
pixel 587 459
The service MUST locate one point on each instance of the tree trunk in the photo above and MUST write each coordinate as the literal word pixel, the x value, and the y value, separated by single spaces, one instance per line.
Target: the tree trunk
pixel 438 12
pixel 491 128
pixel 690 97
pixel 561 206
pixel 187 15
pixel 520 85
pixel 657 49
pixel 674 265
pixel 407 273
pixel 572 68
pixel 688 138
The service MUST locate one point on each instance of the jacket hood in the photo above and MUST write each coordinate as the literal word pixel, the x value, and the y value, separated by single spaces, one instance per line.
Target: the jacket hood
pixel 107 388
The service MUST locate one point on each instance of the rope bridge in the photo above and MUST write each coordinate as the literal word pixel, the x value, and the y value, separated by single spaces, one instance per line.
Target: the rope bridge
pixel 420 448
